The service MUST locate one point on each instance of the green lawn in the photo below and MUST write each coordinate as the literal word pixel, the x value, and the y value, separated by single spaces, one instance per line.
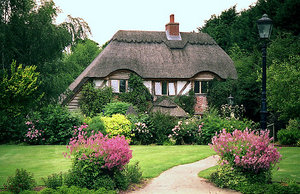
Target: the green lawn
pixel 289 166
pixel 45 160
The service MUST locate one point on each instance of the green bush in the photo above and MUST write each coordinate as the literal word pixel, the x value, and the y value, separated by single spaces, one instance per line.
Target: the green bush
pixel 55 124
pixel 117 125
pixel 142 129
pixel 228 177
pixel 76 190
pixel 96 124
pixel 134 173
pixel 162 126
pixel 22 180
pixel 53 181
pixel 116 108
pixel 138 94
pixel 187 102
pixel 212 123
pixel 93 100
pixel 290 135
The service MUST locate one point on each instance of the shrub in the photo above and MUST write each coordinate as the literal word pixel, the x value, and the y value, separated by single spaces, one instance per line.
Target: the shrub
pixel 53 181
pixel 117 125
pixel 22 180
pixel 232 112
pixel 96 159
pixel 187 102
pixel 138 94
pixel 187 131
pixel 93 100
pixel 213 123
pixel 95 125
pixel 53 124
pixel 116 108
pixel 142 129
pixel 134 173
pixel 246 150
pixel 75 190
pixel 162 126
pixel 290 135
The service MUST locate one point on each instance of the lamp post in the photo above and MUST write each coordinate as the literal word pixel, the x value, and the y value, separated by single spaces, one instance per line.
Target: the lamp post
pixel 264 28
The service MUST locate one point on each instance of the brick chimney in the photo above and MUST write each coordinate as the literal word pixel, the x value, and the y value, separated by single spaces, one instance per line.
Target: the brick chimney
pixel 172 29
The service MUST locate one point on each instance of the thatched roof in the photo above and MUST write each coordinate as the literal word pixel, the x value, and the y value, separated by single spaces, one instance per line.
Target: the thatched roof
pixel 167 106
pixel 152 56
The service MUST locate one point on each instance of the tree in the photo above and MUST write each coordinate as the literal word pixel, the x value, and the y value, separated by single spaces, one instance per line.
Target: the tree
pixel 19 94
pixel 283 86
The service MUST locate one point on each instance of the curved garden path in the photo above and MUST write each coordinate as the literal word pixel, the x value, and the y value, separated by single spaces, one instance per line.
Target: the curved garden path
pixel 184 179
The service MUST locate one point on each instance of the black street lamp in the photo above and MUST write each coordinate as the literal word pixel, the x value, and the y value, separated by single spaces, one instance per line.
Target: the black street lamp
pixel 264 28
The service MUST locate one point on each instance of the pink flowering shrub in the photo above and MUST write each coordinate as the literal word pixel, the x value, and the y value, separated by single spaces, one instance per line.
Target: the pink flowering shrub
pixel 246 150
pixel 33 135
pixel 100 150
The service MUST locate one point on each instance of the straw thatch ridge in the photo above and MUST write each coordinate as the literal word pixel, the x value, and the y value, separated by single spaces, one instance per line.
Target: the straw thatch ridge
pixel 152 56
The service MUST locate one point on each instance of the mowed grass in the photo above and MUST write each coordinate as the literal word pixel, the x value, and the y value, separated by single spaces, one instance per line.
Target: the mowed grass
pixel 289 166
pixel 45 160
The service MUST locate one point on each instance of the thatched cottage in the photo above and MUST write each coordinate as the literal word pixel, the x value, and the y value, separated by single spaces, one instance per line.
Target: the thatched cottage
pixel 170 62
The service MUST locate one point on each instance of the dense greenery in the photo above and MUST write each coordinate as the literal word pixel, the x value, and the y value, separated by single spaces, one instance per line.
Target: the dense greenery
pixel 93 100
pixel 237 34
pixel 138 94
pixel 22 180
pixel 187 102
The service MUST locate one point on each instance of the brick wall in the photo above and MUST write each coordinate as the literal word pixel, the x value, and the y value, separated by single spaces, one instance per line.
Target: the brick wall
pixel 201 104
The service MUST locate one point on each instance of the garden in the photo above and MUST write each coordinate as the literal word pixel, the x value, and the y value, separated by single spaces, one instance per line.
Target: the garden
pixel 102 148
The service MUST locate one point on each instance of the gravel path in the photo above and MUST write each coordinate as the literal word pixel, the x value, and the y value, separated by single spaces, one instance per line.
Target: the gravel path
pixel 184 179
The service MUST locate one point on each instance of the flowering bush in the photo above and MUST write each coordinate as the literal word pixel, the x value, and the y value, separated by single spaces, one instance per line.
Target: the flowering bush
pixel 100 150
pixel 34 135
pixel 187 132
pixel 142 129
pixel 116 125
pixel 232 111
pixel 246 150
pixel 97 159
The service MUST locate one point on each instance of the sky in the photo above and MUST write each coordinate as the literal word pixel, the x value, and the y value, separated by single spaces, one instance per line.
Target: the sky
pixel 106 17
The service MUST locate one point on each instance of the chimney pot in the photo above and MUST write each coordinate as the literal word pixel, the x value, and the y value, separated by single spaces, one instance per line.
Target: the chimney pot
pixel 172 18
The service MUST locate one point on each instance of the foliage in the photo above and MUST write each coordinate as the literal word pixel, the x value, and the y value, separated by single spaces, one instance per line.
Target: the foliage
pixel 290 135
pixel 134 173
pixel 213 123
pixel 96 159
pixel 187 131
pixel 246 151
pixel 187 102
pixel 249 183
pixel 22 180
pixel 75 190
pixel 142 129
pixel 117 125
pixel 54 124
pixel 93 100
pixel 284 88
pixel 18 95
pixel 232 111
pixel 116 108
pixel 162 126
pixel 95 125
pixel 53 181
pixel 219 92
pixel 138 94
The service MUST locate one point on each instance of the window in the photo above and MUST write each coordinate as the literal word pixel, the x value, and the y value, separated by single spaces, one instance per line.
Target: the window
pixel 201 87
pixel 119 86
pixel 165 88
